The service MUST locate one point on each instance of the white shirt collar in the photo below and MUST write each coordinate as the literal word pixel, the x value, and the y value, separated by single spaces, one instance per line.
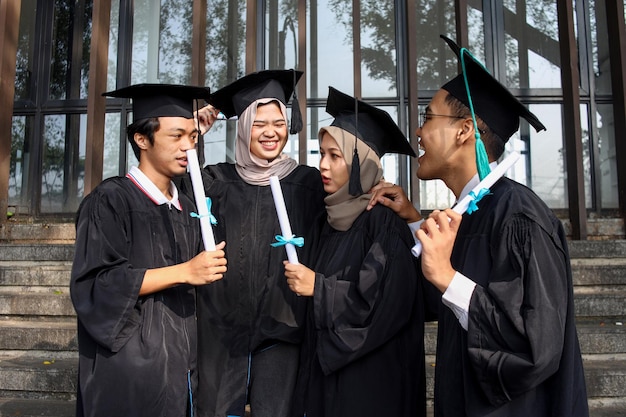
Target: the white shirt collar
pixel 147 186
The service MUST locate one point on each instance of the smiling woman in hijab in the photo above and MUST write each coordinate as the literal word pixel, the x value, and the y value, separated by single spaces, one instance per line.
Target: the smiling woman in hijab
pixel 249 327
pixel 363 353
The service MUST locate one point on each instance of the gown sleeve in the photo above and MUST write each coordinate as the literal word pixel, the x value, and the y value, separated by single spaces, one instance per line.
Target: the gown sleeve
pixel 104 285
pixel 357 315
pixel 517 321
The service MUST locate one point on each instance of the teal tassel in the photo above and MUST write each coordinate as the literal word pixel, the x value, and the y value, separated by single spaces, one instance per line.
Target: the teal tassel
pixel 482 160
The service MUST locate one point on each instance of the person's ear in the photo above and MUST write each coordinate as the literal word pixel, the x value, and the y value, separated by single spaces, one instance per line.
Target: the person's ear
pixel 141 141
pixel 466 130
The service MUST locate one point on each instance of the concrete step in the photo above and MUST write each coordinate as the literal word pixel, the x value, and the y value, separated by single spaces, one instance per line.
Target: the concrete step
pixel 607 407
pixel 24 407
pixel 29 273
pixel 606 335
pixel 14 232
pixel 598 301
pixel 35 376
pixel 49 334
pixel 605 375
pixel 597 248
pixel 599 271
pixel 36 252
pixel 55 302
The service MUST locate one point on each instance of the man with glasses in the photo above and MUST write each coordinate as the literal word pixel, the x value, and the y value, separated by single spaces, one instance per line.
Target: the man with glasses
pixel 507 343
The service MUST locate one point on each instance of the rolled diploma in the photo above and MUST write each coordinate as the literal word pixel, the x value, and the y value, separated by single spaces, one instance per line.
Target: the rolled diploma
pixel 462 206
pixel 283 219
pixel 201 206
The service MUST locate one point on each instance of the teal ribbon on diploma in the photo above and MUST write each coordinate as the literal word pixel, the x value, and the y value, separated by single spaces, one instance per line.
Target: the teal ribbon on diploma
pixel 212 218
pixel 282 241
pixel 472 206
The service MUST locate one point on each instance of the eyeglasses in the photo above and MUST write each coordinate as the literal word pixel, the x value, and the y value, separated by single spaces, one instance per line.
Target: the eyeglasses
pixel 424 116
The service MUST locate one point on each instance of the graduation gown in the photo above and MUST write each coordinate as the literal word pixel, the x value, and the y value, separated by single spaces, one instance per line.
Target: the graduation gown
pixel 135 353
pixel 251 308
pixel 364 350
pixel 520 355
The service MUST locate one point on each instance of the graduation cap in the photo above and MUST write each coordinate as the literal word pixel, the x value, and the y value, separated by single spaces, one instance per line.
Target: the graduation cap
pixel 161 100
pixel 233 99
pixel 370 124
pixel 488 98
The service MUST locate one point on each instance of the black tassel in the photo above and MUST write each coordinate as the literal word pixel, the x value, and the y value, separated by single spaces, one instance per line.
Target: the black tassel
pixel 354 187
pixel 296 116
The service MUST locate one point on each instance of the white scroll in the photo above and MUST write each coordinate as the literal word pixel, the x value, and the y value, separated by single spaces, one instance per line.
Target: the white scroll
pixel 201 204
pixel 283 219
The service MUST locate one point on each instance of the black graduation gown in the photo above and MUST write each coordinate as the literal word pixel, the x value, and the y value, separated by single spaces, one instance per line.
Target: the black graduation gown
pixel 135 353
pixel 252 307
pixel 364 348
pixel 520 355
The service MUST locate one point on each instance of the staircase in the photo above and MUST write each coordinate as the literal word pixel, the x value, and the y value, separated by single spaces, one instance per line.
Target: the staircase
pixel 38 347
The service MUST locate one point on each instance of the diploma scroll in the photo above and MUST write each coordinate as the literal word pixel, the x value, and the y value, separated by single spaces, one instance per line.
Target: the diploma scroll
pixel 462 206
pixel 200 197
pixel 283 219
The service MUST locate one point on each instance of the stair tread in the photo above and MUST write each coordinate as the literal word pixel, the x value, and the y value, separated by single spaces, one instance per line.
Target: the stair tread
pixel 28 407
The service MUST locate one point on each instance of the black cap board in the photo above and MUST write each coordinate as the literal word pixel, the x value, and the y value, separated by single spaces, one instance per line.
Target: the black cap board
pixel 234 98
pixel 491 100
pixel 372 125
pixel 161 100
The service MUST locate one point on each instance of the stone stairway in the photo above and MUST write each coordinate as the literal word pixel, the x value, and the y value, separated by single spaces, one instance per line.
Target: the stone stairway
pixel 38 347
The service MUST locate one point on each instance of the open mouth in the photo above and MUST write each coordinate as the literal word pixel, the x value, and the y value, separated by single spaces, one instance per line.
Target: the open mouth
pixel 269 145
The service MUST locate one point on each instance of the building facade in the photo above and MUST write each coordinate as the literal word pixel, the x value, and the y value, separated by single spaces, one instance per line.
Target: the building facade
pixel 564 59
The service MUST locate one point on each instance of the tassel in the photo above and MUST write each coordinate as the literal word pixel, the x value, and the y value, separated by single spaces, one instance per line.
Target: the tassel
pixel 296 116
pixel 354 187
pixel 482 161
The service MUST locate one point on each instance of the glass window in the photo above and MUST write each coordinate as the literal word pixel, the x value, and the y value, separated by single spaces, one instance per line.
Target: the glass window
pixel 162 41
pixel 225 42
pixel 531 44
pixel 607 156
pixel 587 151
pixel 601 59
pixel 219 142
pixel 25 51
pixel 546 159
pixel 329 48
pixel 63 159
pixel 111 153
pixel 19 165
pixel 378 49
pixel 114 39
pixel 71 38
pixel 281 34
pixel 436 63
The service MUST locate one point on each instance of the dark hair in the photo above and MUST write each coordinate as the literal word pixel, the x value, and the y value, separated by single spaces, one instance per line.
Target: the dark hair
pixel 145 127
pixel 493 143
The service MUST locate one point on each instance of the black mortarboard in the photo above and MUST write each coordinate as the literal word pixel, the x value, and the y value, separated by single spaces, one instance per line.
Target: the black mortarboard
pixel 234 98
pixel 491 100
pixel 370 124
pixel 161 100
